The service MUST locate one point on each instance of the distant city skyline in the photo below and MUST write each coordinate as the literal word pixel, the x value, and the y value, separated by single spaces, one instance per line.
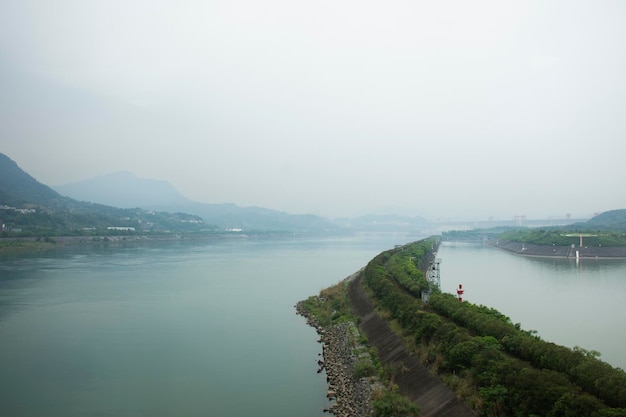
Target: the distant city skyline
pixel 439 109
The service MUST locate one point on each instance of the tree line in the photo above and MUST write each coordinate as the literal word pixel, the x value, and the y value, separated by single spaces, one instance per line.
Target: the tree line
pixel 565 238
pixel 496 366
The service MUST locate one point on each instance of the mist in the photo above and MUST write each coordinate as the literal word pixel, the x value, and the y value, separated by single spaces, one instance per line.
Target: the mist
pixel 446 109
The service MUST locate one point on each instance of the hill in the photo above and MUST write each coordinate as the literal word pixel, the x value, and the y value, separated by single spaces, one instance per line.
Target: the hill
pixel 30 208
pixel 592 238
pixel 124 189
pixel 609 220
pixel 17 188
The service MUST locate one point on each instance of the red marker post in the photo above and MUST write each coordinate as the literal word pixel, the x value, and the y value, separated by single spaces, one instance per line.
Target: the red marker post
pixel 460 293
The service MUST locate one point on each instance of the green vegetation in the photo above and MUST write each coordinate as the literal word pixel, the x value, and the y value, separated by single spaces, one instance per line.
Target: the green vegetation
pixel 84 219
pixel 560 237
pixel 332 307
pixel 497 367
pixel 390 403
pixel 31 209
pixel 364 368
pixel 607 229
pixel 609 220
pixel 12 246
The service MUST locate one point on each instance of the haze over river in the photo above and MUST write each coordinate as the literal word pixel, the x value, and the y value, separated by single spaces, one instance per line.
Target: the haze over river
pixel 209 328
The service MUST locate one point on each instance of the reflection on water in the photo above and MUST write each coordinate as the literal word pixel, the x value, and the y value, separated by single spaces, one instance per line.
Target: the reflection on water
pixel 178 328
pixel 208 328
pixel 573 304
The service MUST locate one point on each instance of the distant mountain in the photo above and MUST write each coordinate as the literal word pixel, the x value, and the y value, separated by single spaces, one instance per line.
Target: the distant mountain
pixel 123 189
pixel 258 218
pixel 30 208
pixel 18 188
pixel 139 195
pixel 613 220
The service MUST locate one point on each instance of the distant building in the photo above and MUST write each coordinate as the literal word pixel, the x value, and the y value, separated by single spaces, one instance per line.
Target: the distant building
pixel 5 228
pixel 121 228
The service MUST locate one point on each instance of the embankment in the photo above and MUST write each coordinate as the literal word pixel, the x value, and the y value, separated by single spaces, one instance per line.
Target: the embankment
pixel 553 251
pixel 343 353
pixel 414 380
pixel 349 393
pixel 492 366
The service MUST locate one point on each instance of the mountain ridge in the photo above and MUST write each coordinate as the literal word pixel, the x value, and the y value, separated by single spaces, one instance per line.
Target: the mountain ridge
pixel 113 189
pixel 127 190
pixel 123 190
pixel 22 187
pixel 31 208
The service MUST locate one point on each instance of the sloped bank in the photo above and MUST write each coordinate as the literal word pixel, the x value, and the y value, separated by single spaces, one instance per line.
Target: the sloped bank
pixel 398 386
pixel 414 380
pixel 348 395
pixel 493 366
pixel 560 251
pixel 356 384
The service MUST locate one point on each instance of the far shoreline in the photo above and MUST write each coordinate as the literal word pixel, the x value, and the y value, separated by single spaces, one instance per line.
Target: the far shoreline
pixel 36 244
pixel 560 252
pixel 13 245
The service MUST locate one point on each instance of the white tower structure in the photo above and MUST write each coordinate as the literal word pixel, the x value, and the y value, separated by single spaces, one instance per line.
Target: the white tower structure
pixel 434 275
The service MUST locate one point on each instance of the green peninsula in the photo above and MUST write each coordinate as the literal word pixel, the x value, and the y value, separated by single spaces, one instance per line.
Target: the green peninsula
pixel 493 366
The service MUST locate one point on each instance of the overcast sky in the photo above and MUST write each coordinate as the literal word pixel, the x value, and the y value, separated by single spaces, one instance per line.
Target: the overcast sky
pixel 435 108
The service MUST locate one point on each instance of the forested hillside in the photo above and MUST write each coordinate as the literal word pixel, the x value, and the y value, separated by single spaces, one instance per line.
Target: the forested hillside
pixel 18 188
pixel 30 208
pixel 609 220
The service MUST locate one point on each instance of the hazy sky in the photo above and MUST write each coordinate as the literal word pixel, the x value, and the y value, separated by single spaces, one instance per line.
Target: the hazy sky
pixel 433 108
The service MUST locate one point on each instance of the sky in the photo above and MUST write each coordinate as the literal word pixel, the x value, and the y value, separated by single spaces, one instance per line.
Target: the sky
pixel 442 109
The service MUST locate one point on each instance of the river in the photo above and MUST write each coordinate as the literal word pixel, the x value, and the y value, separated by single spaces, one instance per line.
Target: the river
pixel 209 328
pixel 163 329
pixel 567 302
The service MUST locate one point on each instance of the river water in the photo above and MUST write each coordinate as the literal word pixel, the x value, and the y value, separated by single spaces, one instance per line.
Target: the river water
pixel 209 328
pixel 189 329
pixel 567 302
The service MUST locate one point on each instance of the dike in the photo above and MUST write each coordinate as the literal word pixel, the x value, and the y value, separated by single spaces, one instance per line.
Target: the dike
pixel 415 381
pixel 348 396
pixel 351 397
pixel 567 252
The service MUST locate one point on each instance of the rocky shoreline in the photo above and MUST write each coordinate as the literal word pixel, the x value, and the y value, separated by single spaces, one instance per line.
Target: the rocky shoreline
pixel 348 395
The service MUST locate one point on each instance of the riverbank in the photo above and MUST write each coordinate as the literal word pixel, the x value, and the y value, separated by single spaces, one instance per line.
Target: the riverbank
pixel 405 385
pixel 414 379
pixel 37 244
pixel 349 392
pixel 553 251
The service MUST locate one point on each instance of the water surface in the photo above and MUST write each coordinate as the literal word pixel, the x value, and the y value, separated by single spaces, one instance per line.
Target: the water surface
pixel 190 329
pixel 567 302
pixel 209 328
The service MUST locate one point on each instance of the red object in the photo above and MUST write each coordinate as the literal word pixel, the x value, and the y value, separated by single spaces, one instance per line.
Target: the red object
pixel 460 292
